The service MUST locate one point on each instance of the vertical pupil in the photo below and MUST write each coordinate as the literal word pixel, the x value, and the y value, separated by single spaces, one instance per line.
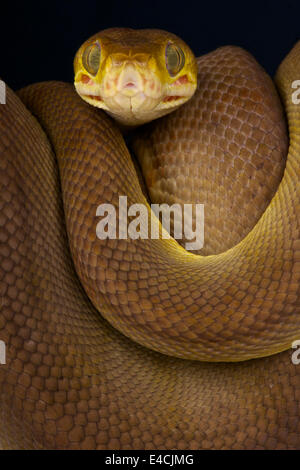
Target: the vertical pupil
pixel 93 55
pixel 174 58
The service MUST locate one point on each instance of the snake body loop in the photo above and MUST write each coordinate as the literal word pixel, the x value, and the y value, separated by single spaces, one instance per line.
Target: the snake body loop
pixel 71 379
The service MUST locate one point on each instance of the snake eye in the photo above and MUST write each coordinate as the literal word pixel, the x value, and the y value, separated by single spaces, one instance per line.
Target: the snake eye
pixel 91 58
pixel 174 59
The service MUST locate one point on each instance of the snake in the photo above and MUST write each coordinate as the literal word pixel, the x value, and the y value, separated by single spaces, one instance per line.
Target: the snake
pixel 138 343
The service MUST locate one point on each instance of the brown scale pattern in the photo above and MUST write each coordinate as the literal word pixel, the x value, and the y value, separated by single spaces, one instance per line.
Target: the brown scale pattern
pixel 71 380
pixel 225 149
pixel 245 300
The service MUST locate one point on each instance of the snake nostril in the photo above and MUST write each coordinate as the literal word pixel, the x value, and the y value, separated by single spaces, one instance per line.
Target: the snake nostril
pixel 130 85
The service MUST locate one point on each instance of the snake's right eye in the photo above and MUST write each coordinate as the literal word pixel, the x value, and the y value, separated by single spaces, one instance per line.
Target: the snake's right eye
pixel 91 58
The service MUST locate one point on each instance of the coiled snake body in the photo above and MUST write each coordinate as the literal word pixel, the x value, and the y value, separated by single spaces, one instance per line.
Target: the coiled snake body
pixel 71 379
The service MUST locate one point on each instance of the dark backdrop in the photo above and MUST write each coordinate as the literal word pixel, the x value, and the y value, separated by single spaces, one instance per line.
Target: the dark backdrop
pixel 38 40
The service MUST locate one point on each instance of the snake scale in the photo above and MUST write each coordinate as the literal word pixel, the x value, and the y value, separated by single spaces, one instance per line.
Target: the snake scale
pixel 189 352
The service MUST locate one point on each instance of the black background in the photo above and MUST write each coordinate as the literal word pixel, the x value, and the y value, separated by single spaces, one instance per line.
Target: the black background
pixel 38 40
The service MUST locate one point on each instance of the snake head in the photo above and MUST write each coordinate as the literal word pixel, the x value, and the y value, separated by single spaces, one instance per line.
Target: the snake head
pixel 135 75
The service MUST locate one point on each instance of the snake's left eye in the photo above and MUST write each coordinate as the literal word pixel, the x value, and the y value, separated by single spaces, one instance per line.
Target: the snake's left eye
pixel 91 58
pixel 174 59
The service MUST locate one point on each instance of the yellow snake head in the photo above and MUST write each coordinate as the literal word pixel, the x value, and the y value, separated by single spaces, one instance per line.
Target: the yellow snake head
pixel 135 75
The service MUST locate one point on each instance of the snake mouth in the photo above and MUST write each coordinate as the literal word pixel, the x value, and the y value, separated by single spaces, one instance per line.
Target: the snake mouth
pixel 167 99
pixel 173 98
pixel 134 98
pixel 94 100
pixel 93 97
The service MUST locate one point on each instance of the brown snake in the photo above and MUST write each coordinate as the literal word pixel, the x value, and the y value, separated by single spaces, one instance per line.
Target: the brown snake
pixel 72 381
